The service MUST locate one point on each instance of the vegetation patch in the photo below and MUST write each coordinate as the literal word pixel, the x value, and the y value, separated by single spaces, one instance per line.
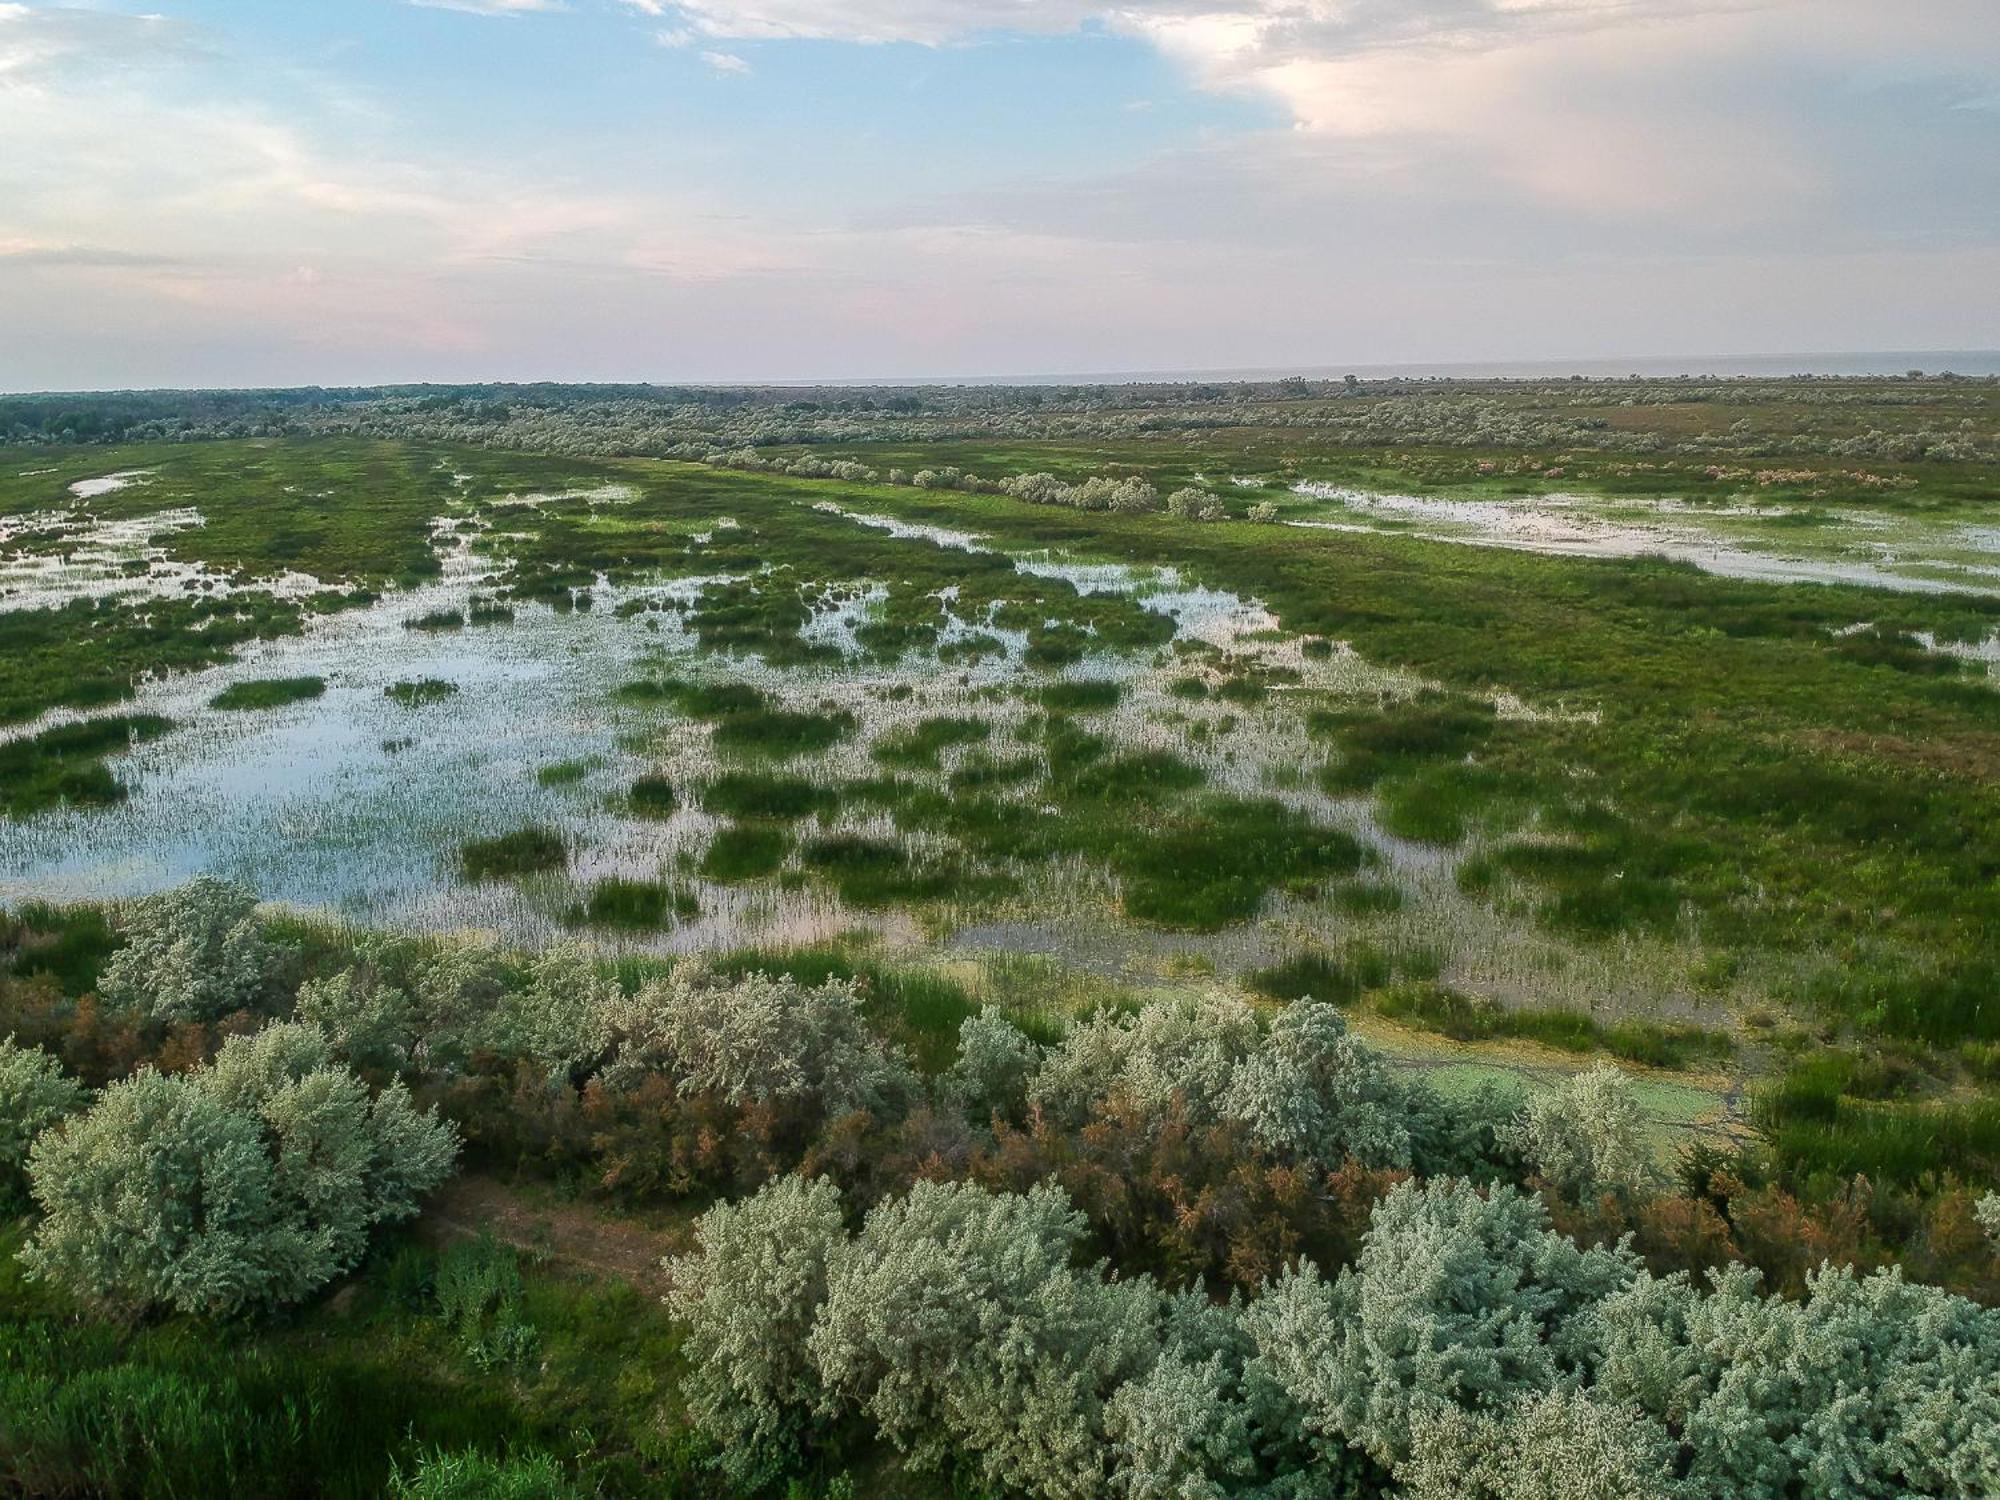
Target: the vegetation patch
pixel 268 692
pixel 745 851
pixel 421 691
pixel 755 794
pixel 634 904
pixel 1450 1012
pixel 652 797
pixel 525 851
pixel 66 764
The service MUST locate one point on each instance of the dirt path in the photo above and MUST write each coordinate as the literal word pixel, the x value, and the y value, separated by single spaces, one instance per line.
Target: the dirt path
pixel 569 1236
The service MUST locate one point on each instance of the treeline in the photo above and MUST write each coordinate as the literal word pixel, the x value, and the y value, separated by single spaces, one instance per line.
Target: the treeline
pixel 1933 421
pixel 1187 1249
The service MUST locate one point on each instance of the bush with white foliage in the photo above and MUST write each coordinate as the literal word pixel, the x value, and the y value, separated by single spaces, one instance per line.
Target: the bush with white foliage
pixel 1457 1299
pixel 1310 1090
pixel 35 1093
pixel 559 1014
pixel 249 1183
pixel 958 1323
pixel 760 1039
pixel 368 1022
pixel 747 1296
pixel 194 953
pixel 996 1062
pixel 1194 505
pixel 1586 1138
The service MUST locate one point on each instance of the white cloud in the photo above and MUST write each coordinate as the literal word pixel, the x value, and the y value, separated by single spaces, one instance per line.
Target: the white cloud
pixel 725 62
pixel 1460 179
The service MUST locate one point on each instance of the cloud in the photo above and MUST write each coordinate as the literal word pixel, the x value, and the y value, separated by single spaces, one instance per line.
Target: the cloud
pixel 1452 179
pixel 725 62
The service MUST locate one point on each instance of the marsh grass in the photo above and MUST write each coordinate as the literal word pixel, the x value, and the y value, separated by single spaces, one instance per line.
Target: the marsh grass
pixel 745 851
pixel 524 851
pixel 633 904
pixel 920 745
pixel 1465 1018
pixel 268 692
pixel 754 794
pixel 567 772
pixel 1080 697
pixel 652 797
pixel 66 764
pixel 421 691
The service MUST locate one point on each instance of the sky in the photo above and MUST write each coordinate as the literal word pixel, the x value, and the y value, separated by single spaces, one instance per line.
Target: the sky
pixel 287 192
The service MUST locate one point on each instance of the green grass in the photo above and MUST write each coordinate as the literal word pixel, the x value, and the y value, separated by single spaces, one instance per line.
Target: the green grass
pixel 756 794
pixel 652 797
pixel 524 851
pixel 418 693
pixel 745 852
pixel 328 1401
pixel 919 746
pixel 635 904
pixel 1449 1012
pixel 268 692
pixel 65 765
pixel 1079 697
pixel 567 772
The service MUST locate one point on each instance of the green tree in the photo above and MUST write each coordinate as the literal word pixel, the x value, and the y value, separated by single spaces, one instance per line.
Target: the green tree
pixel 249 1183
pixel 193 953
pixel 35 1093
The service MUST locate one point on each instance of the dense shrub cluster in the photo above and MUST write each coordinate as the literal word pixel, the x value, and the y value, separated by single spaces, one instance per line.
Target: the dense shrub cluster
pixel 1189 1248
pixel 1469 1350
pixel 252 1181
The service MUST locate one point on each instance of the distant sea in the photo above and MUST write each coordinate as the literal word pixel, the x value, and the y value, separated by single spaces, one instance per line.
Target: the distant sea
pixel 1759 366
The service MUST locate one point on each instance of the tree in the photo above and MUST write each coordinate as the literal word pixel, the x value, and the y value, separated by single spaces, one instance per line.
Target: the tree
pixel 760 1039
pixel 747 1295
pixel 1557 1445
pixel 1186 1048
pixel 996 1062
pixel 560 1017
pixel 1587 1137
pixel 193 953
pixel 1312 1091
pixel 956 1321
pixel 370 1023
pixel 252 1182
pixel 1869 1386
pixel 35 1093
pixel 1457 1299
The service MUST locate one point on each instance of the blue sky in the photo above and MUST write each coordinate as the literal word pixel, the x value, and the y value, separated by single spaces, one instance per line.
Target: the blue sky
pixel 219 191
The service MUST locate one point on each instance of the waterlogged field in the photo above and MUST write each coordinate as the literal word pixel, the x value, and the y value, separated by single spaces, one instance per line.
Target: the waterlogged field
pixel 1682 778
pixel 1017 771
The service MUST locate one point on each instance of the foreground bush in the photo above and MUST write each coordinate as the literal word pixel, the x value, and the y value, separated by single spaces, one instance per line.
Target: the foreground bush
pixel 252 1182
pixel 1470 1350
